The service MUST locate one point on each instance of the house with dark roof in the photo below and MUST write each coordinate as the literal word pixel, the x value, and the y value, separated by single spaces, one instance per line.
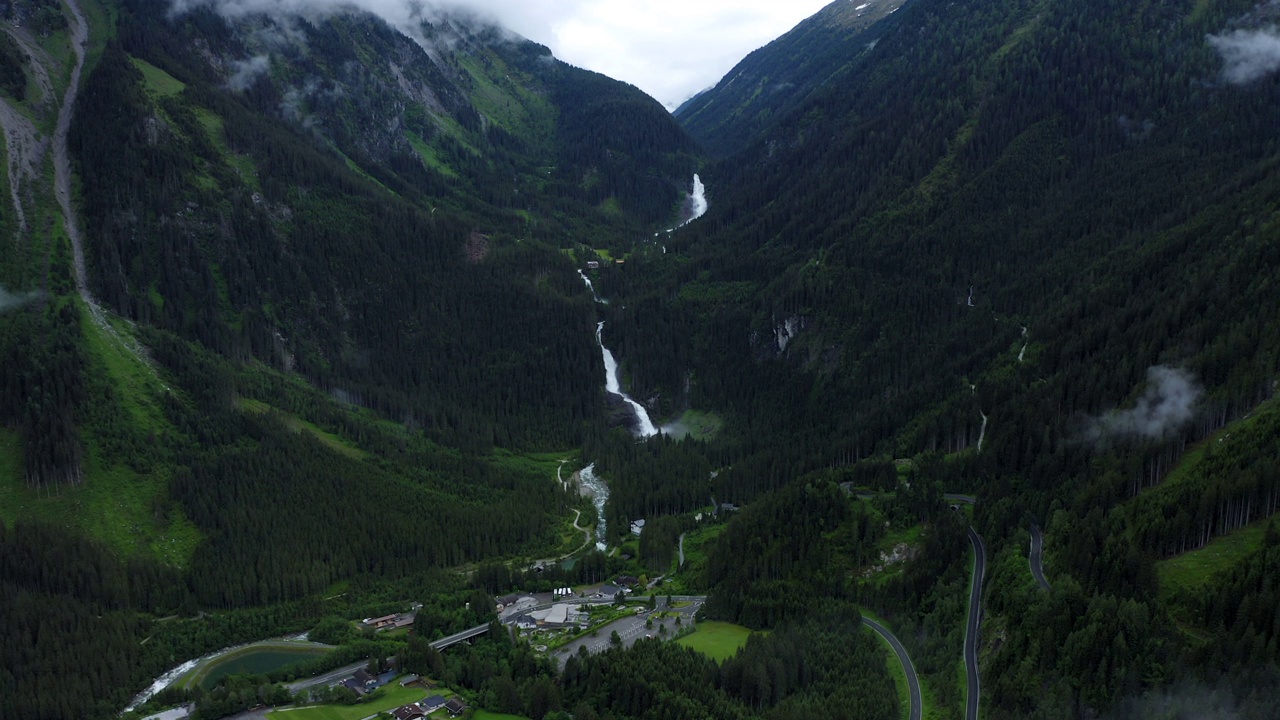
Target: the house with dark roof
pixel 432 704
pixel 408 712
pixel 627 581
pixel 455 707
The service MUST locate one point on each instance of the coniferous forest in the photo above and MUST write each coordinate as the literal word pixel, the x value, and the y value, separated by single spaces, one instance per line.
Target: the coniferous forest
pixel 987 283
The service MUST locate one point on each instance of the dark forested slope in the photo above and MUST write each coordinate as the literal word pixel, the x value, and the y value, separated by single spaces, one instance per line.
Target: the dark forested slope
pixel 775 79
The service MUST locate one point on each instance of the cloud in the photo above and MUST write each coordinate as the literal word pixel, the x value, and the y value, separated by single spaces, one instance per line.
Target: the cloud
pixel 246 71
pixel 1247 55
pixel 1168 403
pixel 10 301
pixel 671 49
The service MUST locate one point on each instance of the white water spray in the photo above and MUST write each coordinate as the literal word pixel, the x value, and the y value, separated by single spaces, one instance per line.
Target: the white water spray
pixel 591 287
pixel 697 203
pixel 170 677
pixel 698 198
pixel 644 426
pixel 599 492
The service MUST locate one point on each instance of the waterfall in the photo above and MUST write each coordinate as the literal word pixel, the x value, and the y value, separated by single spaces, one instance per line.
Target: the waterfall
pixel 644 426
pixel 599 492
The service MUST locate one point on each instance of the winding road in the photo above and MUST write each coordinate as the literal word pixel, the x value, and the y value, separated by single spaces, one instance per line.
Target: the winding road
pixel 975 618
pixel 1036 559
pixel 913 682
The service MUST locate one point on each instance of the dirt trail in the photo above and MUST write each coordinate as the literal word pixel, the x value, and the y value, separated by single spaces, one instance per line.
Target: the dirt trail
pixel 62 162
pixel 62 188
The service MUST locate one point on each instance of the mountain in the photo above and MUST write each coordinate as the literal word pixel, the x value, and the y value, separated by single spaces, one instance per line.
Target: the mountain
pixel 987 278
pixel 772 81
pixel 1014 230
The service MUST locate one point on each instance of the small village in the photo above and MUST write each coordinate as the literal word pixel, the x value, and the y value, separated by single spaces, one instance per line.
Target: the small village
pixel 556 624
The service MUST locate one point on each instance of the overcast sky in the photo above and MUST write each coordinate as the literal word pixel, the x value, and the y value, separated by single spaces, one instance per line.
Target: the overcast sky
pixel 671 49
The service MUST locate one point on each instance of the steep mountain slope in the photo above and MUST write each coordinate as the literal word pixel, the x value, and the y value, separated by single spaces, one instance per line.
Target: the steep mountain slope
pixel 891 236
pixel 775 79
pixel 234 179
pixel 1013 219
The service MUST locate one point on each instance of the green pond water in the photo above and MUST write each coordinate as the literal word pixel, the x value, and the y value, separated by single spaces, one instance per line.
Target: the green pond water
pixel 257 661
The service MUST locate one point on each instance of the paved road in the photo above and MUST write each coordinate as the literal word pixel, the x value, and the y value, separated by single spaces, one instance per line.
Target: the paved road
pixel 959 497
pixel 975 618
pixel 347 670
pixel 1037 563
pixel 329 677
pixel 913 682
pixel 456 638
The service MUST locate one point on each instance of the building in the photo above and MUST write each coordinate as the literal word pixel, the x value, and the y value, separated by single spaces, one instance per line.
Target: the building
pixel 593 264
pixel 637 527
pixel 432 704
pixel 408 712
pixel 380 622
pixel 455 707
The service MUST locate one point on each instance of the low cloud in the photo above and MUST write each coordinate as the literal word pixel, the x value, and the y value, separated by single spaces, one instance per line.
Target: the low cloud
pixel 1247 55
pixel 668 48
pixel 1168 403
pixel 13 301
pixel 245 72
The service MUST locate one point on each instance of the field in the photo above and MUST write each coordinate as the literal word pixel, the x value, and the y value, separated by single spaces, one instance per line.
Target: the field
pixel 393 697
pixel 1192 571
pixel 716 640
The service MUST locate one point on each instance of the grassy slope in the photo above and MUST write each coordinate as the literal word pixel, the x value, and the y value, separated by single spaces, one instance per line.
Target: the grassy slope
pixel 1193 571
pixel 116 502
pixel 296 424
pixel 394 696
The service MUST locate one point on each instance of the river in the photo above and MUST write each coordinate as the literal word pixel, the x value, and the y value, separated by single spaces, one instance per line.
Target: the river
pixel 589 484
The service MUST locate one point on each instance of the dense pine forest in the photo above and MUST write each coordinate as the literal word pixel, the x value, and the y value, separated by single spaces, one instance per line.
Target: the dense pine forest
pixel 998 269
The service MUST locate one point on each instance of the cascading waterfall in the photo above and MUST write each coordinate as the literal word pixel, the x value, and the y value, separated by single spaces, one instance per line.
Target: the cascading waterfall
pixel 591 287
pixel 698 199
pixel 697 205
pixel 644 426
pixel 599 493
